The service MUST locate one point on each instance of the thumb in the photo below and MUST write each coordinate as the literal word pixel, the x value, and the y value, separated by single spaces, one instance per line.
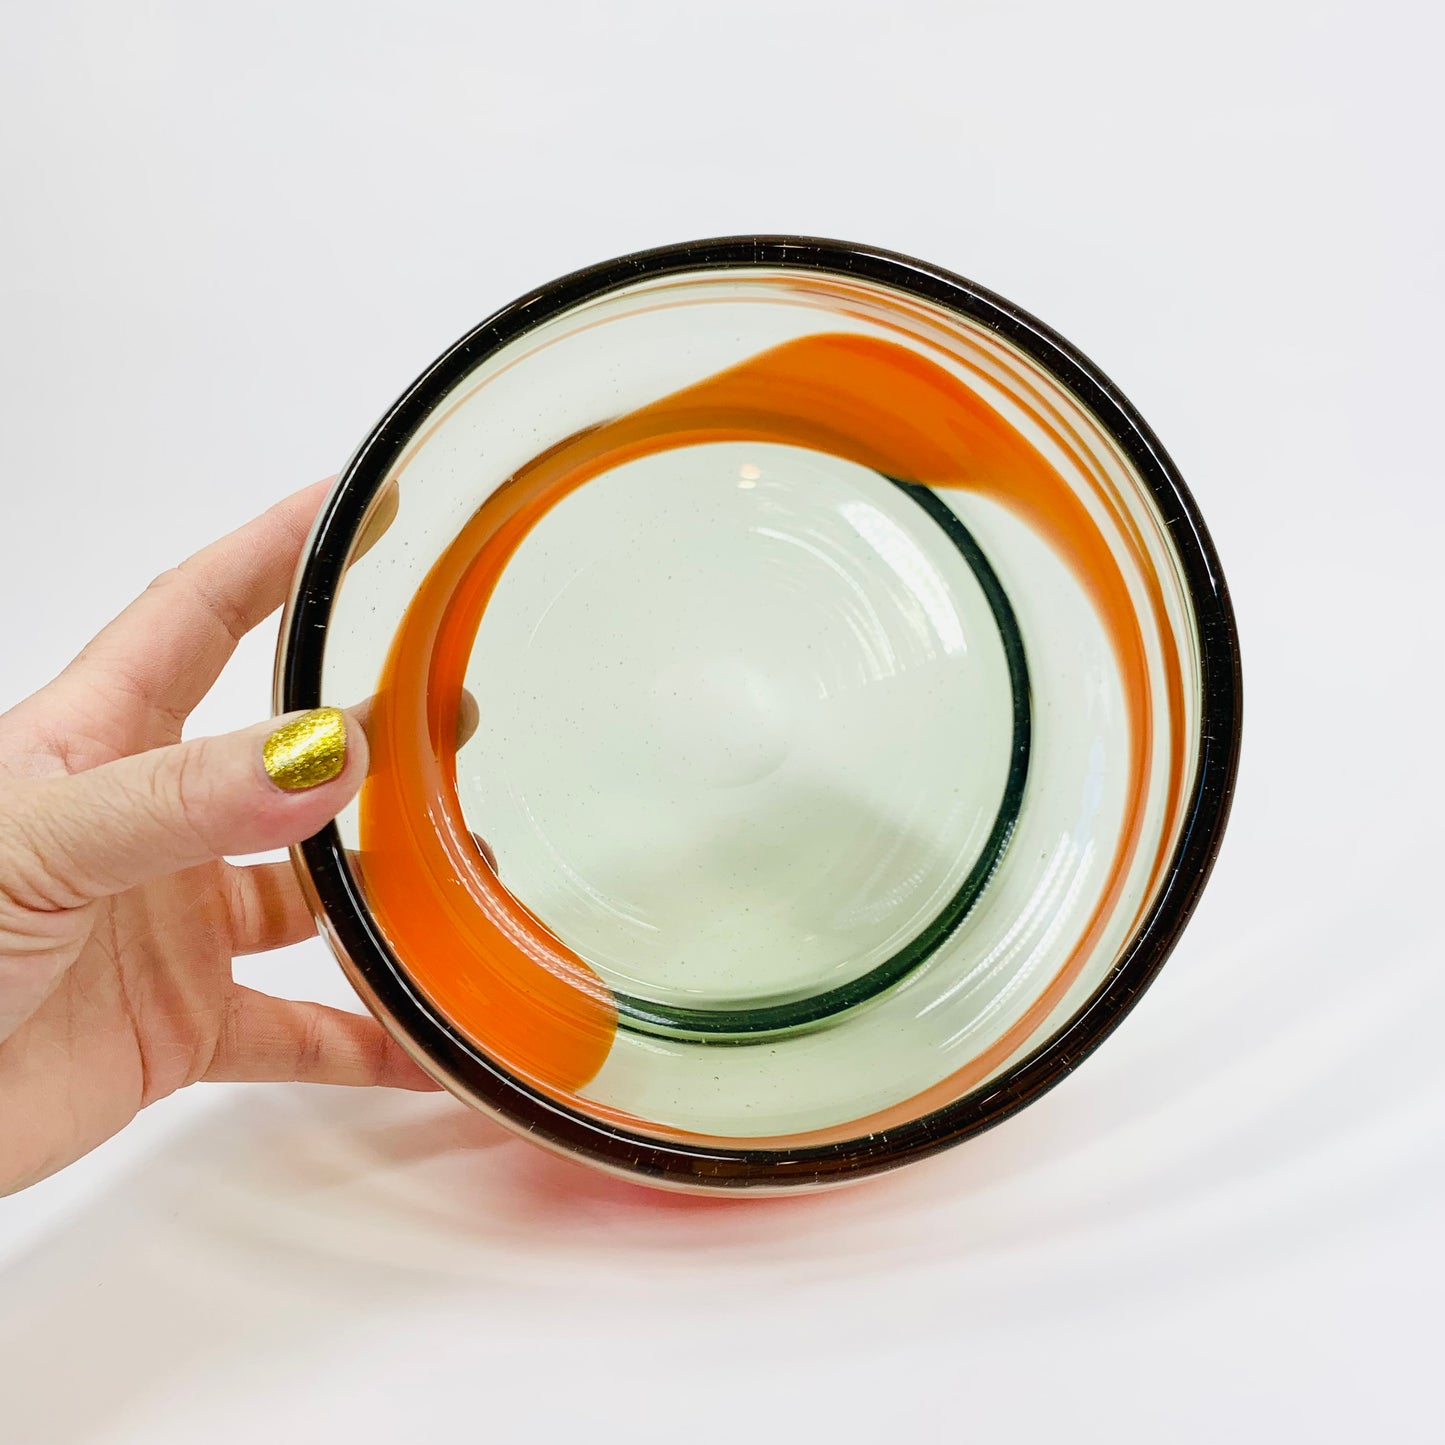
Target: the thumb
pixel 77 839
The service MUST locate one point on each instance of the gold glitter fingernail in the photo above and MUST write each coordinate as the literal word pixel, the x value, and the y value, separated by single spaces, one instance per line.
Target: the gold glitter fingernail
pixel 306 751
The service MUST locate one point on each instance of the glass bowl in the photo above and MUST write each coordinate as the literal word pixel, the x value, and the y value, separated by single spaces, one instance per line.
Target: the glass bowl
pixel 804 705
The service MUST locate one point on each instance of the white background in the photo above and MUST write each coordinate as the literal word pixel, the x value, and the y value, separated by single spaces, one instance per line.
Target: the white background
pixel 230 234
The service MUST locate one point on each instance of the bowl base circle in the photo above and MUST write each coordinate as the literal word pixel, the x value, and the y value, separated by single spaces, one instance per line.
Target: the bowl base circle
pixel 688 764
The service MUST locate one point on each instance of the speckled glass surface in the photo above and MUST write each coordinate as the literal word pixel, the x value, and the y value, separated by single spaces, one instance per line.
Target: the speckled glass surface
pixel 803 708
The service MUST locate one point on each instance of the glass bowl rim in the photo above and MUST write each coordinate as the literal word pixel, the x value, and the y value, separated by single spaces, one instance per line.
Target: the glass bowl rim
pixel 458 1064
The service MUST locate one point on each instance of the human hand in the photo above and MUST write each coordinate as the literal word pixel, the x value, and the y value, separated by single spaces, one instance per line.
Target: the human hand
pixel 119 918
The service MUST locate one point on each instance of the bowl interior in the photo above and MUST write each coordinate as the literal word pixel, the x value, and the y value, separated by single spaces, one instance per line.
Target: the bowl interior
pixel 785 702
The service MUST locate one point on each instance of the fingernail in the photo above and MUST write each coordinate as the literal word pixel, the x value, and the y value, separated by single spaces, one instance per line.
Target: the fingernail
pixel 468 716
pixel 376 526
pixel 485 849
pixel 307 751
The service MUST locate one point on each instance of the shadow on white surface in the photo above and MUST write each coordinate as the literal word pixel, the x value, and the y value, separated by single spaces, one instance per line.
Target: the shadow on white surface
pixel 291 1224
pixel 262 1238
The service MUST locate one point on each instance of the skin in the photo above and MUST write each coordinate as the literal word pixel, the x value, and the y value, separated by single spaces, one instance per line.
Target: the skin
pixel 119 919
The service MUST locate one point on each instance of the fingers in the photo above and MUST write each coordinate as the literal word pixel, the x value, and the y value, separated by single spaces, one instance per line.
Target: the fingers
pixel 275 1040
pixel 168 647
pixel 266 908
pixel 67 841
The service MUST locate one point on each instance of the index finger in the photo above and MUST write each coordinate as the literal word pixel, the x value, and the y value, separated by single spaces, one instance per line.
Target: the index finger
pixel 168 647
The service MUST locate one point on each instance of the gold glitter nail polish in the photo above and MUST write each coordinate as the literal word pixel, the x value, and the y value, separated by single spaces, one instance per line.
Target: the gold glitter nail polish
pixel 306 751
